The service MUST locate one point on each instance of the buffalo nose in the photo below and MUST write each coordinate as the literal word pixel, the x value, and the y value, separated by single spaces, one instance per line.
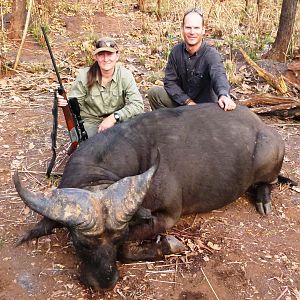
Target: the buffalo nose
pixel 103 283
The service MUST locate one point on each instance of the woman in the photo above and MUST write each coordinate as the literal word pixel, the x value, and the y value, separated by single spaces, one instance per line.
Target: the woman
pixel 106 91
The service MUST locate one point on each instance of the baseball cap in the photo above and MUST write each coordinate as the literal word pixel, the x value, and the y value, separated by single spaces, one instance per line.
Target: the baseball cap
pixel 106 44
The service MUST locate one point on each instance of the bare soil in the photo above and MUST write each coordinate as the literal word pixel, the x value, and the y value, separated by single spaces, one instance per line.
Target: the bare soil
pixel 233 253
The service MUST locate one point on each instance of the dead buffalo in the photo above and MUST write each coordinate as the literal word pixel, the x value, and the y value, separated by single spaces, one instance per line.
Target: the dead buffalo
pixel 115 189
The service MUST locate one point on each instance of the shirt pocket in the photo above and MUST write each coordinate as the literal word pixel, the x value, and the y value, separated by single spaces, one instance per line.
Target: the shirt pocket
pixel 95 96
pixel 94 102
pixel 198 80
pixel 116 100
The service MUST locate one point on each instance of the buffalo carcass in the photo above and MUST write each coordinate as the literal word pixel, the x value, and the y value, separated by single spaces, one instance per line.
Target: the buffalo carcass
pixel 115 189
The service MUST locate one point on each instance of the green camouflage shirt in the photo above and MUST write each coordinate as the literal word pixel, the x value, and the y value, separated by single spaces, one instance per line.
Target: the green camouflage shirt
pixel 121 95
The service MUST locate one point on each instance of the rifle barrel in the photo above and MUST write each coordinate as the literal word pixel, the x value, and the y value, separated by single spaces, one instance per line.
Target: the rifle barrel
pixel 51 55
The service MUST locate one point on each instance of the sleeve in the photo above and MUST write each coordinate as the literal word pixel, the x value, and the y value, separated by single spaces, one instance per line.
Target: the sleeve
pixel 171 80
pixel 134 104
pixel 217 73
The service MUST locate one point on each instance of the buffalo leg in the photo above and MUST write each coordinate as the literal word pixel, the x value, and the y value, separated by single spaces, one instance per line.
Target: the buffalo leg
pixel 263 198
pixel 150 250
pixel 42 228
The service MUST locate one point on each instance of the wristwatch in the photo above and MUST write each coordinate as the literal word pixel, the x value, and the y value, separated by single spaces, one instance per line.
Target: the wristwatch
pixel 117 117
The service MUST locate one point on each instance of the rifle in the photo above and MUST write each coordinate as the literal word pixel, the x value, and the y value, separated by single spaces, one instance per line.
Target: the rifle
pixel 71 113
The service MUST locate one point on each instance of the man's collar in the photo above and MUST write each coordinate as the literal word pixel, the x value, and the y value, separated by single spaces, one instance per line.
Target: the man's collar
pixel 198 52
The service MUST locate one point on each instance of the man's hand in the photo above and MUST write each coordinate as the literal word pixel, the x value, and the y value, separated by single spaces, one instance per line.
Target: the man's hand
pixel 190 102
pixel 226 103
pixel 108 122
pixel 61 101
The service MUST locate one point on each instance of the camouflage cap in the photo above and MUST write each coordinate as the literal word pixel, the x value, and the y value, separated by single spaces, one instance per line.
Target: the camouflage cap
pixel 106 44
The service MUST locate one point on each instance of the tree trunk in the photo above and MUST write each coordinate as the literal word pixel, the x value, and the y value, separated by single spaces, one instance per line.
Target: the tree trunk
pixel 17 21
pixel 285 31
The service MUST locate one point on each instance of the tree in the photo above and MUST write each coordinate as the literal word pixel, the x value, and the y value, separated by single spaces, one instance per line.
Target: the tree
pixel 285 31
pixel 17 21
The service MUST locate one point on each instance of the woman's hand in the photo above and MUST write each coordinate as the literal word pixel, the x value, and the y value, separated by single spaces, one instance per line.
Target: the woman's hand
pixel 108 122
pixel 61 101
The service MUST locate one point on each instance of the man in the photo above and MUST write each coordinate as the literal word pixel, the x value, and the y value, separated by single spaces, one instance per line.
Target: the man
pixel 194 72
pixel 106 91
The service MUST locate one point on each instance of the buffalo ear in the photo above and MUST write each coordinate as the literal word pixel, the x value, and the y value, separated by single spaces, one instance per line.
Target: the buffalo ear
pixel 143 215
pixel 124 198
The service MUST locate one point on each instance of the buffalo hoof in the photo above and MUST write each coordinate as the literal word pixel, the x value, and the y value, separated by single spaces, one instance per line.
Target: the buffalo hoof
pixel 175 245
pixel 264 208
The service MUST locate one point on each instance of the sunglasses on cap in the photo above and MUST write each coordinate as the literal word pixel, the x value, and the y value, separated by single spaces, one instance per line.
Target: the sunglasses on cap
pixel 107 45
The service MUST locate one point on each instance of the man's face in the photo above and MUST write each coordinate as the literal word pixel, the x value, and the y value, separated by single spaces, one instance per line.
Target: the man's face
pixel 193 29
pixel 107 60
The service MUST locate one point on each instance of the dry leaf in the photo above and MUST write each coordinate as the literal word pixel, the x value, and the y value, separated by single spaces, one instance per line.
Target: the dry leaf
pixel 6 258
pixel 31 146
pixel 214 246
pixel 201 245
pixel 16 98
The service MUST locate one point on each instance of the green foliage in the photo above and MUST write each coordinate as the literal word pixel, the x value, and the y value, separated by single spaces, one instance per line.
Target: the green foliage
pixel 2 241
pixel 154 76
pixel 255 45
pixel 230 71
pixel 66 8
pixel 36 31
pixel 54 180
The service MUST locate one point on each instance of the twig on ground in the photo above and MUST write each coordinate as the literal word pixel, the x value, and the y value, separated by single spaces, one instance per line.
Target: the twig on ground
pixel 38 172
pixel 162 281
pixel 194 221
pixel 159 272
pixel 282 294
pixel 142 263
pixel 175 274
pixel 209 284
pixel 120 293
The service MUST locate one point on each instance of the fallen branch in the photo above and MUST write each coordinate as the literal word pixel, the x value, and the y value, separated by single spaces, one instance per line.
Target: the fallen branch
pixel 274 108
pixel 286 107
pixel 24 35
pixel 266 99
pixel 277 83
pixel 295 85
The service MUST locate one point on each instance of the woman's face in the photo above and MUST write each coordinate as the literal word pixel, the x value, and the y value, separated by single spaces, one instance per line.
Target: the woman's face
pixel 107 60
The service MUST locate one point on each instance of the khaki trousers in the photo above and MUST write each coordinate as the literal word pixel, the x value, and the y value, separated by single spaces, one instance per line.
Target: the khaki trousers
pixel 159 98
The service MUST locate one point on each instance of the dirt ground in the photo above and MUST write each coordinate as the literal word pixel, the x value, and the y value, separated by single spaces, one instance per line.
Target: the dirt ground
pixel 233 253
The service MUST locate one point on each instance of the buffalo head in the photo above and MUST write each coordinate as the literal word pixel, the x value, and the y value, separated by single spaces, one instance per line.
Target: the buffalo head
pixel 97 219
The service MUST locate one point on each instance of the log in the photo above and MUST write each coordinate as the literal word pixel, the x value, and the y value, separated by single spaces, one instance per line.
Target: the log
pixel 266 99
pixel 285 107
pixel 277 83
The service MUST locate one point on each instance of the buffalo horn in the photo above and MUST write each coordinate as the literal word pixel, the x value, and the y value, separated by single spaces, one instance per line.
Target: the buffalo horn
pixel 69 206
pixel 124 197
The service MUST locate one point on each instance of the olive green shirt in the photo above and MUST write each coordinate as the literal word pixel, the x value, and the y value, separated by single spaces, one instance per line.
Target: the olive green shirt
pixel 121 95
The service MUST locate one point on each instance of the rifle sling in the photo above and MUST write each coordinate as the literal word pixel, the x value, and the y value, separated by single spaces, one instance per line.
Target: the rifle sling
pixel 53 134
